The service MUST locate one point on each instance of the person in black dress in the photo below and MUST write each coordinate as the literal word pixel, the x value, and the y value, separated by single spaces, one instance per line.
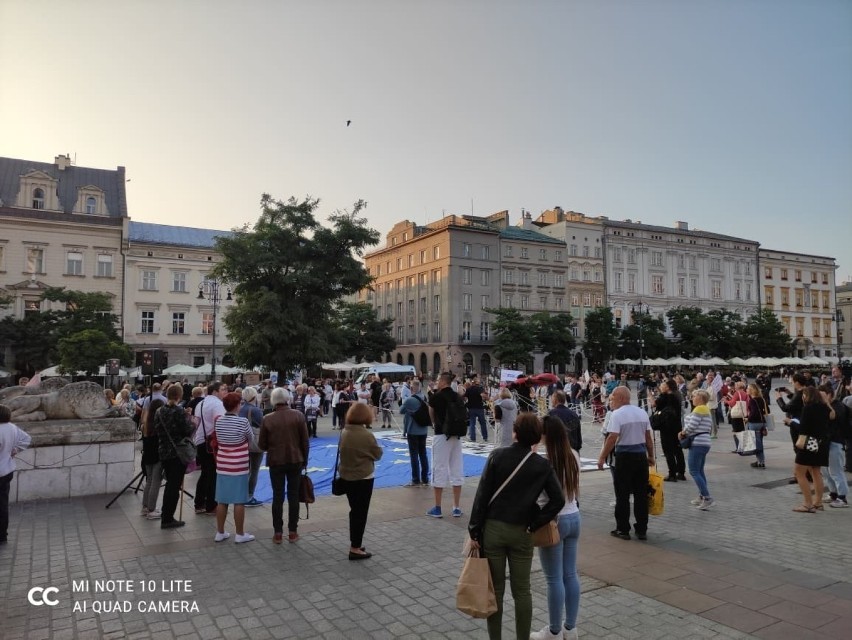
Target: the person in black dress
pixel 668 405
pixel 812 446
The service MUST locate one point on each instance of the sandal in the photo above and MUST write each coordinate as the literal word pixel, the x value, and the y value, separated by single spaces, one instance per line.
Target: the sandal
pixel 803 508
pixel 819 507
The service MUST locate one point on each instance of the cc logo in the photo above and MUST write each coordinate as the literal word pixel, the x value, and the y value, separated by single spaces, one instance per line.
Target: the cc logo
pixel 41 595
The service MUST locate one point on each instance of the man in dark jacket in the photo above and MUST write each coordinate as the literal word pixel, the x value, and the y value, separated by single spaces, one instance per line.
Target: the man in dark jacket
pixel 570 419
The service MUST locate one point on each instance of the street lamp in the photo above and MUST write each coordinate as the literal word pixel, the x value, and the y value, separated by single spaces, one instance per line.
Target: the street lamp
pixel 211 290
pixel 642 311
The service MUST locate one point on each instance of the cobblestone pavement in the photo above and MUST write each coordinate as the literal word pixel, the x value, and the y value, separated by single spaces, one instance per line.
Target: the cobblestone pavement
pixel 747 568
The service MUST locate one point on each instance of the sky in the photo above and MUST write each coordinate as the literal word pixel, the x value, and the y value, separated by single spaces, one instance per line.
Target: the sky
pixel 734 116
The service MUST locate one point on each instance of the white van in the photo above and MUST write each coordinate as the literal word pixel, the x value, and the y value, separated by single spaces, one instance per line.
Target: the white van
pixel 394 373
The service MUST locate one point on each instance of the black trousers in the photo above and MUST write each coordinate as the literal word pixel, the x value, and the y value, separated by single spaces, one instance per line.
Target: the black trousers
pixel 278 474
pixel 5 484
pixel 174 471
pixel 419 460
pixel 631 478
pixel 672 451
pixel 359 493
pixel 205 489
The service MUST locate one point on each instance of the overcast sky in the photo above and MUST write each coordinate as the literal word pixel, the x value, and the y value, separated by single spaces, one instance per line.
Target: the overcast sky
pixel 735 116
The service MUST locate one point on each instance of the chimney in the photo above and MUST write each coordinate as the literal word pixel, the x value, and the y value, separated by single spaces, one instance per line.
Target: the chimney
pixel 62 162
pixel 682 226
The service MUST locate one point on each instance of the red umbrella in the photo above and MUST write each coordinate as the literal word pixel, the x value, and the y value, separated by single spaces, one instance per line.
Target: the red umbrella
pixel 545 378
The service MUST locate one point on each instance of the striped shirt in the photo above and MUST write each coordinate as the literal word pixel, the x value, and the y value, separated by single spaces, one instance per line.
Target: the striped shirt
pixel 233 434
pixel 698 424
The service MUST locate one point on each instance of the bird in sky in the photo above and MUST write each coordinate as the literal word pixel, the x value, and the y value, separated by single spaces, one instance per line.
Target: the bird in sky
pixel 348 122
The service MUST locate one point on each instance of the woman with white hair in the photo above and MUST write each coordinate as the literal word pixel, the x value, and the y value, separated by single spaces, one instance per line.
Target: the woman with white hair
pixel 253 413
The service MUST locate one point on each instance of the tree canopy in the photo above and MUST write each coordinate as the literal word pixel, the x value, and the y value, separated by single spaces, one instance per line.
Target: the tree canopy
pixel 514 336
pixel 361 335
pixel 763 335
pixel 653 337
pixel 289 272
pixel 601 341
pixel 554 336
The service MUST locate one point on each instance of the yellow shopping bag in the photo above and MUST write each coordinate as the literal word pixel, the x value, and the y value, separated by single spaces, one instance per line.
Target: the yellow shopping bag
pixel 655 493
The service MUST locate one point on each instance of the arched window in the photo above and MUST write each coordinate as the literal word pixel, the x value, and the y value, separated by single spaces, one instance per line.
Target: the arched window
pixel 411 359
pixel 468 362
pixel 436 364
pixel 38 198
pixel 399 358
pixel 91 204
pixel 424 364
pixel 485 364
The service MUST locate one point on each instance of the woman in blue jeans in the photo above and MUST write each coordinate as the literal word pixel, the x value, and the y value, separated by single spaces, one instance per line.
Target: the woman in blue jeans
pixel 559 562
pixel 698 425
pixel 756 422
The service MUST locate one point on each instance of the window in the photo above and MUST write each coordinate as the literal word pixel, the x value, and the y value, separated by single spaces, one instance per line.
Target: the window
pixel 147 322
pixel 179 282
pixel 508 276
pixel 748 268
pixel 207 323
pixel 1 257
pixel 423 256
pixel 178 322
pixel 507 301
pixel 400 334
pixel 815 324
pixel 91 204
pixel 467 302
pixel 799 297
pixel 398 309
pixel 736 268
pixel 616 254
pixel 484 300
pixel 813 277
pixel 800 327
pixel 149 280
pixel 525 253
pixel 486 252
pixel 738 294
pixel 824 299
pixel 485 277
pixel 38 198
pixel 598 275
pixel 575 299
pixel 825 280
pixel 587 275
pixel 767 294
pixel 783 274
pixel 399 264
pixel 585 251
pixel 484 331
pixel 560 302
pixel 657 258
pixel 748 291
pixel 388 312
pixel 436 276
pixel 467 276
pixel 785 297
pixel 421 307
pixel 631 256
pixel 681 261
pixel 542 279
pixel 465 331
pixel 410 282
pixel 509 250
pixel 798 275
pixel 598 300
pixel 693 287
pixel 524 277
pixel 587 299
pixel 74 263
pixel 421 279
pixel 424 333
pixel 35 260
pixel 525 302
pixel 436 332
pixel 542 302
pixel 410 260
pixel 575 274
pixel 717 289
pixel 693 263
pixel 767 273
pixel 657 285
pixel 826 329
pixel 436 303
pixel 542 254
pixel 410 307
pixel 558 280
pixel 631 283
pixel 597 252
pixel 618 281
pixel 715 264
pixel 466 249
pixel 436 253
pixel 681 287
pixel 558 255
pixel 573 250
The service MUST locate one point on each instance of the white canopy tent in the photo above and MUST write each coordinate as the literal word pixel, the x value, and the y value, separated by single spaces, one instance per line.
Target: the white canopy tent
pixel 341 366
pixel 181 370
pixel 53 372
pixel 207 369
pixel 678 361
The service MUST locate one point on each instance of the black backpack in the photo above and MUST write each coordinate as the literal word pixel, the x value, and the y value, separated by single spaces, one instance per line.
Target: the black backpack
pixel 421 416
pixel 456 419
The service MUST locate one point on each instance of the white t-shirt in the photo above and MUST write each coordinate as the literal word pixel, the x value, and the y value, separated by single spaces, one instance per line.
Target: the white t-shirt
pixel 631 423
pixel 209 409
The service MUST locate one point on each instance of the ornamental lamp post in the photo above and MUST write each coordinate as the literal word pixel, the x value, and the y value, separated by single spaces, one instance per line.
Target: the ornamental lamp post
pixel 211 290
pixel 642 311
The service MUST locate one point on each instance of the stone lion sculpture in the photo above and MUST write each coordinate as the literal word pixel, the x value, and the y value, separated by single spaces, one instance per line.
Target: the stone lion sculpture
pixel 75 400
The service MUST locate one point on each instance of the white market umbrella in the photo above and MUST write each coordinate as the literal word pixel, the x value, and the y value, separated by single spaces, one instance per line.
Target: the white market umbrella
pixel 737 361
pixel 816 360
pixel 701 362
pixel 340 366
pixel 656 362
pixel 678 361
pixel 207 369
pixel 180 370
pixel 716 360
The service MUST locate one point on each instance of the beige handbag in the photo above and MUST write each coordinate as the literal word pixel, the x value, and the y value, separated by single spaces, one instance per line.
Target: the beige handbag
pixel 546 536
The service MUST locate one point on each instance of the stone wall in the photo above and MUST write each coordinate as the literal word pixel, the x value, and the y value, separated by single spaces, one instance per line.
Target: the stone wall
pixel 71 458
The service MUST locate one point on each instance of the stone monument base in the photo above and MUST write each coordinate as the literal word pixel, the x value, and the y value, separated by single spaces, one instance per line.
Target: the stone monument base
pixel 70 458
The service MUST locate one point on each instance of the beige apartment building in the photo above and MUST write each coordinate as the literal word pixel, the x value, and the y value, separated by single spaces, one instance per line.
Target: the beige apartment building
pixel 844 320
pixel 586 289
pixel 61 225
pixel 800 290
pixel 167 268
pixel 437 283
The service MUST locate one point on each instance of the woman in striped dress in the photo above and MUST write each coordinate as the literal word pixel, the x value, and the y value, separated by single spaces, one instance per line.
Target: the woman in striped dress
pixel 232 468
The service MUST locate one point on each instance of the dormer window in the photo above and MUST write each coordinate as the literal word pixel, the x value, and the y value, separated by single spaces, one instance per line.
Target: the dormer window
pixel 91 204
pixel 38 198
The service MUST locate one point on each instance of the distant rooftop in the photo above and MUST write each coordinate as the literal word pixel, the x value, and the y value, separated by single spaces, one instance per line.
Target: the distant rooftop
pixel 149 233
pixel 527 235
pixel 684 228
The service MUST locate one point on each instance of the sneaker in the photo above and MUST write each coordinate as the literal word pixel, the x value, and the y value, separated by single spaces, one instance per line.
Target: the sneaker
pixel 706 504
pixel 758 465
pixel 254 502
pixel 246 537
pixel 545 634
pixel 457 513
pixel 697 502
pixel 615 533
pixel 154 515
pixel 200 512
pixel 221 536
pixel 278 538
pixel 569 634
pixel 144 512
pixel 435 512
pixel 425 484
pixel 641 536
pixel 174 524
pixel 292 537
pixel 838 504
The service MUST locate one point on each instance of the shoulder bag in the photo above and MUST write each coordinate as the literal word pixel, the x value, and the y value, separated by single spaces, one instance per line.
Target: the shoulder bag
pixel 768 419
pixel 738 411
pixel 338 484
pixel 306 492
pixel 211 443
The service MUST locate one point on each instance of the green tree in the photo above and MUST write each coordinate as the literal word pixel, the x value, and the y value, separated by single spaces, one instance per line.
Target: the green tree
pixel 289 272
pixel 362 335
pixel 514 336
pixel 724 331
pixel 32 338
pixel 553 335
pixel 653 337
pixel 688 325
pixel 601 340
pixel 764 336
pixel 88 350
